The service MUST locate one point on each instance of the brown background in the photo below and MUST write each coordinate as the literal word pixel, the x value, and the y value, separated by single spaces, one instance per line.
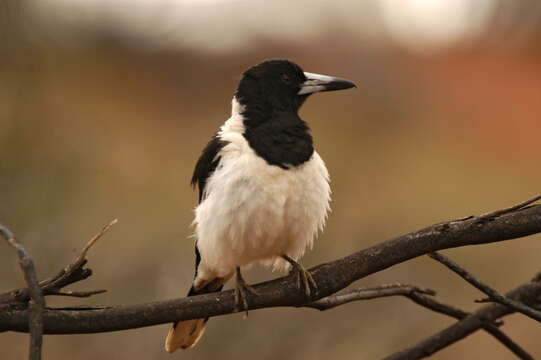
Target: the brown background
pixel 101 119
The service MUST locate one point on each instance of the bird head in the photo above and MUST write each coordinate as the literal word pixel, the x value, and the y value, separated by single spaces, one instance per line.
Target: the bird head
pixel 282 86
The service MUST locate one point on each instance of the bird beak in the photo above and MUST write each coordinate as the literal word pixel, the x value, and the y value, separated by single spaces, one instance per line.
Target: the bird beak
pixel 315 83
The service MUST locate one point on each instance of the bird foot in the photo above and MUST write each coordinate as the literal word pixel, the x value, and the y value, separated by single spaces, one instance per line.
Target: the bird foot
pixel 241 290
pixel 303 278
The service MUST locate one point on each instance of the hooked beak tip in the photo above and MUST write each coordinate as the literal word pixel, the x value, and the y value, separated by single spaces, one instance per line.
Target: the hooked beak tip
pixel 319 83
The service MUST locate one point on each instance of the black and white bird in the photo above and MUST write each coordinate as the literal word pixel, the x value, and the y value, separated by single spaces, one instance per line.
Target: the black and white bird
pixel 263 190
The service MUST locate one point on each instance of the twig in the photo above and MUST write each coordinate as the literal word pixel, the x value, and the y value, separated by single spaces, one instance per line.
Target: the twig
pixel 35 317
pixel 493 294
pixel 367 293
pixel 75 269
pixel 82 256
pixel 419 296
pixel 79 294
pixel 81 308
pixel 491 328
pixel 494 214
pixel 471 323
pixel 72 273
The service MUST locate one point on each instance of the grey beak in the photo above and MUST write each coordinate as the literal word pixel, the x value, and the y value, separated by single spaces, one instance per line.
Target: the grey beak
pixel 316 83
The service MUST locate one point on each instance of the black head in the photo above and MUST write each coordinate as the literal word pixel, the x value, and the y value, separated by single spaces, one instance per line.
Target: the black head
pixel 282 86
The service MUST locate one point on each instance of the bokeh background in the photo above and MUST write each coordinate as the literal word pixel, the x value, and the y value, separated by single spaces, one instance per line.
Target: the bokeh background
pixel 105 105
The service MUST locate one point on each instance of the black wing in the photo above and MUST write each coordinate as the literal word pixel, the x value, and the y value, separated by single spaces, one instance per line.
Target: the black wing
pixel 207 163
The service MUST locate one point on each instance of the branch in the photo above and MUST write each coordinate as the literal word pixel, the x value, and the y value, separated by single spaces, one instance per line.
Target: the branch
pixel 494 214
pixel 82 256
pixel 527 293
pixel 72 273
pixel 419 296
pixel 367 293
pixel 79 294
pixel 330 278
pixel 35 312
pixel 492 294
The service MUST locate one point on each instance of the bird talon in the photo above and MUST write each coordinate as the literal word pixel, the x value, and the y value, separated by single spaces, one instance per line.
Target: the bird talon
pixel 311 280
pixel 241 304
pixel 304 280
pixel 298 278
pixel 241 290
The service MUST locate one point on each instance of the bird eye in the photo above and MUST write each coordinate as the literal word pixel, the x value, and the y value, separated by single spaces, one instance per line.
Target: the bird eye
pixel 286 79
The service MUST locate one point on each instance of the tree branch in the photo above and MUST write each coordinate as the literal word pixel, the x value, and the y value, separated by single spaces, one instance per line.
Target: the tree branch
pixel 527 293
pixel 330 277
pixel 37 305
pixel 367 293
pixel 419 296
pixel 491 328
pixel 79 294
pixel 493 294
pixel 511 223
pixel 494 214
pixel 72 273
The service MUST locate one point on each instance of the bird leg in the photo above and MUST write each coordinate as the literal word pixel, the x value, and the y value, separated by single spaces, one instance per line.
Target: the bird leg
pixel 304 279
pixel 241 288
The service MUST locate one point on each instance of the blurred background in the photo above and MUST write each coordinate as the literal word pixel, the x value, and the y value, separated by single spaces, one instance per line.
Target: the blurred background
pixel 105 106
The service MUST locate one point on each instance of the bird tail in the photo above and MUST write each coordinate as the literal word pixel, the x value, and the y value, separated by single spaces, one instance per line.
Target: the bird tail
pixel 186 334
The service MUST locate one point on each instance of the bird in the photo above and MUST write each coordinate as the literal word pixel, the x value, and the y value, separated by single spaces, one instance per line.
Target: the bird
pixel 264 191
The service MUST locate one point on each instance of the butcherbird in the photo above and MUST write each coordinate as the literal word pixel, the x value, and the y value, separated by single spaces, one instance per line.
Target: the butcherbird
pixel 263 190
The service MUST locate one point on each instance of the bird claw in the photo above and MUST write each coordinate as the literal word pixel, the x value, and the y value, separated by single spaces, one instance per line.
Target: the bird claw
pixel 241 290
pixel 303 279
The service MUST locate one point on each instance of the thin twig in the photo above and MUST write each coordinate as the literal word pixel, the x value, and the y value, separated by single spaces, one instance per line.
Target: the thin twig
pixel 493 294
pixel 419 296
pixel 81 308
pixel 79 294
pixel 72 273
pixel 416 294
pixel 491 328
pixel 367 293
pixel 35 318
pixel 471 323
pixel 498 213
pixel 89 244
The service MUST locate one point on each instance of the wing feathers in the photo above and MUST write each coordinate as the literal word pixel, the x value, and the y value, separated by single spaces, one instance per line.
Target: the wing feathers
pixel 207 163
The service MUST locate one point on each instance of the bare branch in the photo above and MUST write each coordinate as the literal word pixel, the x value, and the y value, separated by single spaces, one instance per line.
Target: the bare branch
pixel 79 294
pixel 367 293
pixel 418 296
pixel 493 294
pixel 330 277
pixel 494 214
pixel 72 273
pixel 35 313
pixel 508 342
pixel 82 256
pixel 491 328
pixel 530 292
